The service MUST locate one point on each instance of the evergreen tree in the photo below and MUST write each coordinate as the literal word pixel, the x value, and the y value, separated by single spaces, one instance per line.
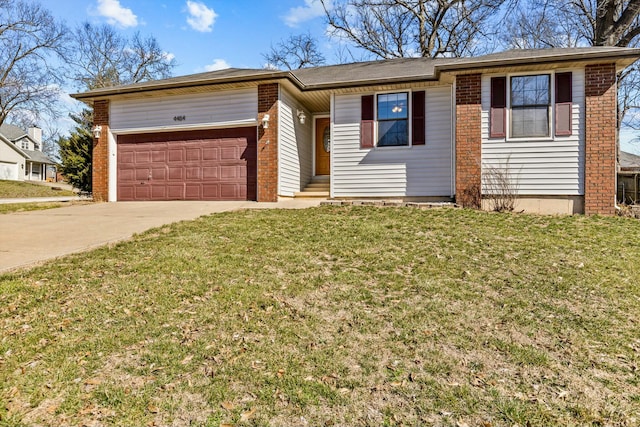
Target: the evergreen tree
pixel 76 152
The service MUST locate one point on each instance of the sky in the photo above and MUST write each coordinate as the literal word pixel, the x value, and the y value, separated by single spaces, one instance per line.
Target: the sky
pixel 204 35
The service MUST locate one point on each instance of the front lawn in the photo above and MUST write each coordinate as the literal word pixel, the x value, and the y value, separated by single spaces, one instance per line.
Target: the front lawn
pixel 6 208
pixel 21 189
pixel 332 316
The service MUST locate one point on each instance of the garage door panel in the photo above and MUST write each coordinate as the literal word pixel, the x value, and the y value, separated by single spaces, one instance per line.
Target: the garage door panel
pixel 227 190
pixel 176 173
pixel 210 173
pixel 211 191
pixel 158 156
pixel 210 153
pixel 176 156
pixel 142 192
pixel 175 192
pixel 229 153
pixel 142 174
pixel 159 173
pixel 195 165
pixel 143 157
pixel 193 191
pixel 193 154
pixel 193 173
pixel 126 192
pixel 228 173
pixel 158 192
pixel 126 157
pixel 127 175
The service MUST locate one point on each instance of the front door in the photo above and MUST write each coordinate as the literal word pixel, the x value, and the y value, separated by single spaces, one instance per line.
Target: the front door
pixel 323 146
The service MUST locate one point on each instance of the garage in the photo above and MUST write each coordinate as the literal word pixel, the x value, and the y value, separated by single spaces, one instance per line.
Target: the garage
pixel 9 171
pixel 215 164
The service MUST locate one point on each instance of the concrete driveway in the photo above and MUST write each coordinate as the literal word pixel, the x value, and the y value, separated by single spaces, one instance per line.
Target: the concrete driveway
pixel 28 238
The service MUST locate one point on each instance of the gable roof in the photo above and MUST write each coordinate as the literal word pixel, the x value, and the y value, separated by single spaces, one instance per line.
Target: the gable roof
pixel 12 132
pixel 10 144
pixel 373 72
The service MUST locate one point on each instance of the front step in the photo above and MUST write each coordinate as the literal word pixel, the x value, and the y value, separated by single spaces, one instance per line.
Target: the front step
pixel 320 186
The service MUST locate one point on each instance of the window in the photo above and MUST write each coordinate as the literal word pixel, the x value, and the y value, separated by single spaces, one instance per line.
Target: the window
pixel 393 118
pixel 530 101
pixel 531 111
pixel 25 145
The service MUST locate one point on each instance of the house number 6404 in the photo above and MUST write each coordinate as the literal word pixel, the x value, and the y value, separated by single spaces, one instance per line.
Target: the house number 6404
pixel 179 118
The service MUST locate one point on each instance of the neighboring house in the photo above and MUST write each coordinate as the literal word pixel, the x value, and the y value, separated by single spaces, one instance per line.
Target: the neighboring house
pixel 410 129
pixel 21 156
pixel 629 178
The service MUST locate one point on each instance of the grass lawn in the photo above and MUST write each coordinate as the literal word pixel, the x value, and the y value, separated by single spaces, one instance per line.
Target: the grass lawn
pixel 21 189
pixel 333 316
pixel 6 208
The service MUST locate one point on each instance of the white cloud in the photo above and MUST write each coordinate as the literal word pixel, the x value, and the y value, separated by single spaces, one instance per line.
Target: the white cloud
pixel 201 18
pixel 312 9
pixel 116 14
pixel 217 64
pixel 168 56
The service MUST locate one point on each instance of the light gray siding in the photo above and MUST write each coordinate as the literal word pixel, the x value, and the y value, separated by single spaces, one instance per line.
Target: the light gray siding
pixel 545 166
pixel 227 108
pixel 295 155
pixel 393 171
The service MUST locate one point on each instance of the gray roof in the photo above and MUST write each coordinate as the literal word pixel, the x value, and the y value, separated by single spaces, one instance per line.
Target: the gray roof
pixel 12 132
pixel 629 161
pixel 38 156
pixel 375 72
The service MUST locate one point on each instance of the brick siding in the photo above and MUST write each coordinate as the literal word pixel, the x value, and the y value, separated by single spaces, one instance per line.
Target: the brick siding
pixel 268 143
pixel 600 143
pixel 100 161
pixel 468 140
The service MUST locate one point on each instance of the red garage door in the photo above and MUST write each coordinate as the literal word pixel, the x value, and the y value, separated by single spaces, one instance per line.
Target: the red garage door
pixel 194 165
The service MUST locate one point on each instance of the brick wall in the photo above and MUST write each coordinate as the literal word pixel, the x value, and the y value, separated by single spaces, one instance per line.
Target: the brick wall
pixel 600 141
pixel 268 143
pixel 100 161
pixel 468 140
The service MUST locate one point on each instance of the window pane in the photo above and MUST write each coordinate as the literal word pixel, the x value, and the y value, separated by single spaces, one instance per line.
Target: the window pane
pixel 392 106
pixel 529 121
pixel 392 133
pixel 530 90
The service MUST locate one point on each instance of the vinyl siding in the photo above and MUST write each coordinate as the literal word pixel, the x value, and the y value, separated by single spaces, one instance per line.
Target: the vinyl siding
pixel 424 170
pixel 295 156
pixel 208 109
pixel 544 166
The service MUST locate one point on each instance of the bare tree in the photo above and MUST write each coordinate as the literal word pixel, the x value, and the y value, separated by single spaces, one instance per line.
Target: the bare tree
pixel 297 51
pixel 535 25
pixel 401 28
pixel 101 57
pixel 29 39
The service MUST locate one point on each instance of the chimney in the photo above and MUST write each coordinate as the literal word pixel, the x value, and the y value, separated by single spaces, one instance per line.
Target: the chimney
pixel 35 134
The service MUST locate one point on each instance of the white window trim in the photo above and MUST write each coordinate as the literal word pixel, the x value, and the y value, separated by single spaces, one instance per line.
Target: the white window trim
pixel 409 120
pixel 552 102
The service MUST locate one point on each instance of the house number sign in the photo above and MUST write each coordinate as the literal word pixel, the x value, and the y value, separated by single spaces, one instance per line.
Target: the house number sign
pixel 179 118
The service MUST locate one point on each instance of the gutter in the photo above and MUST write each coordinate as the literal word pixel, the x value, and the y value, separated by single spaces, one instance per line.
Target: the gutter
pixel 453 65
pixel 160 85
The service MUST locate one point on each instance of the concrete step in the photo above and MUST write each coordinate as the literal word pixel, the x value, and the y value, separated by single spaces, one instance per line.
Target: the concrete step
pixel 324 185
pixel 311 194
pixel 320 186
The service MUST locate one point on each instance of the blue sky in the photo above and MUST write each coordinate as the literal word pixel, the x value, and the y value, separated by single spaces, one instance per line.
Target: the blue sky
pixel 204 35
